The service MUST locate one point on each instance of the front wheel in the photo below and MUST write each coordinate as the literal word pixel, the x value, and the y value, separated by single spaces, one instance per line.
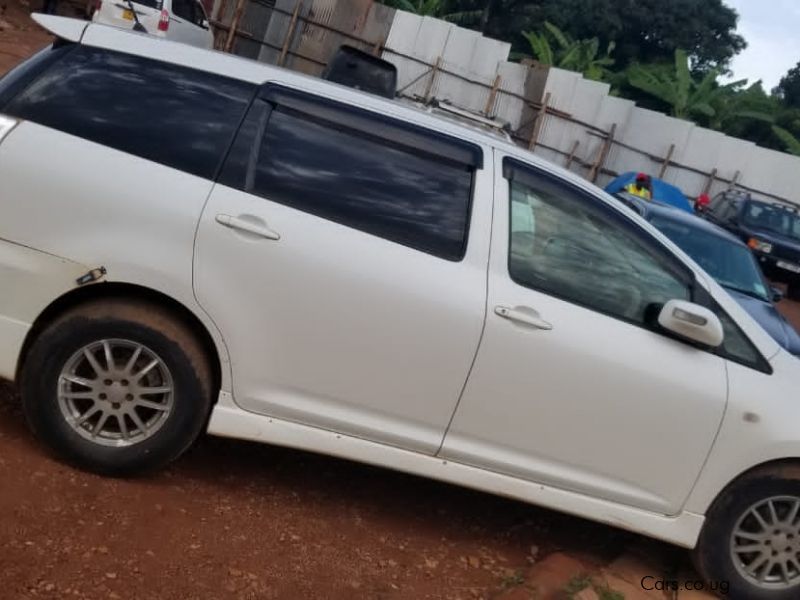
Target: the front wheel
pixel 751 538
pixel 117 386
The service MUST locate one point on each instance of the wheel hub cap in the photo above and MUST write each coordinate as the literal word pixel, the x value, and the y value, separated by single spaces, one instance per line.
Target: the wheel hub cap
pixel 115 392
pixel 765 544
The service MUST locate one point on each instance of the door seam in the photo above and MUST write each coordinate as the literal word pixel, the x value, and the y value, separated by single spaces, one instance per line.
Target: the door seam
pixel 485 307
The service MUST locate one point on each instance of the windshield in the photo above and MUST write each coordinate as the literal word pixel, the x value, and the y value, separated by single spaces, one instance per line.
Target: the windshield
pixel 772 218
pixel 730 263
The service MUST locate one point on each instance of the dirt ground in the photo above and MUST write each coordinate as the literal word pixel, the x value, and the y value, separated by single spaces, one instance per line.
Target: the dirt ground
pixel 238 520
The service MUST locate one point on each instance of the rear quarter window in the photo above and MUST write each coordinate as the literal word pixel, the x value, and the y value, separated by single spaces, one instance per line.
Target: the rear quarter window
pixel 13 82
pixel 177 116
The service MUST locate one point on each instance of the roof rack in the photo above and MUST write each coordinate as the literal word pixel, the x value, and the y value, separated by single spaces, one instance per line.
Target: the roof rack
pixel 786 207
pixel 448 110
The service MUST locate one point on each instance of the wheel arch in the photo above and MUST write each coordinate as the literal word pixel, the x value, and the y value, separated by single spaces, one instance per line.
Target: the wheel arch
pixel 127 291
pixel 781 467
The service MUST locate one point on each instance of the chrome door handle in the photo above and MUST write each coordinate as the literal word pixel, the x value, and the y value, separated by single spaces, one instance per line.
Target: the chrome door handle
pixel 524 316
pixel 248 226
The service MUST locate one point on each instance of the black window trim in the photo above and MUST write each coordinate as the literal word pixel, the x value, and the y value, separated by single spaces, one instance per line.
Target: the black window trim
pixel 229 145
pixel 515 169
pixel 412 137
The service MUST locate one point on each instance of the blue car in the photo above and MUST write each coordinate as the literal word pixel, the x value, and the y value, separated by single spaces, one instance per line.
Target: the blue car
pixel 727 259
pixel 662 191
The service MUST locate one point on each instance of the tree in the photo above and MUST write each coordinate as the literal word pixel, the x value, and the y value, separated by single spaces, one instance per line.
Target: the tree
pixel 567 53
pixel 676 88
pixel 791 143
pixel 645 31
pixel 427 8
pixel 788 89
pixel 734 105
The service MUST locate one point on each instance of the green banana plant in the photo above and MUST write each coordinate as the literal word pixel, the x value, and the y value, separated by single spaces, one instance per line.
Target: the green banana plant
pixel 555 48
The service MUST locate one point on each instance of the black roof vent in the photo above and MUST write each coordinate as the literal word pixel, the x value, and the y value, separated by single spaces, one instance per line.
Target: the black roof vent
pixel 360 70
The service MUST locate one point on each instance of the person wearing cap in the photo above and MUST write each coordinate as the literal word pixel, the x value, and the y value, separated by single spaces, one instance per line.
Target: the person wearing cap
pixel 702 202
pixel 640 187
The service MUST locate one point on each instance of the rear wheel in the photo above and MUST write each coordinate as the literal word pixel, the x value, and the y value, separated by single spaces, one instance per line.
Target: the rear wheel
pixel 751 538
pixel 117 386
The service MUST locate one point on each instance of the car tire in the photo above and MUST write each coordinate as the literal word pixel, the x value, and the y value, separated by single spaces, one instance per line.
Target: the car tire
pixel 153 396
pixel 731 524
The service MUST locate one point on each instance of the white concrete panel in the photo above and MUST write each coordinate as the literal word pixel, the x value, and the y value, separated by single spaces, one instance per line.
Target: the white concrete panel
pixel 403 33
pixel 700 152
pixel 466 53
pixel 734 155
pixel 456 59
pixel 509 108
pixel 561 86
pixel 612 111
pixel 432 38
pixel 421 37
pixel 774 172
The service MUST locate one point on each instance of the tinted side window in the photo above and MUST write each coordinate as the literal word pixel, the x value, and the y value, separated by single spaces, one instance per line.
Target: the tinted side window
pixel 565 245
pixel 174 115
pixel 718 206
pixel 184 9
pixel 23 74
pixel 364 182
pixel 731 212
pixel 737 347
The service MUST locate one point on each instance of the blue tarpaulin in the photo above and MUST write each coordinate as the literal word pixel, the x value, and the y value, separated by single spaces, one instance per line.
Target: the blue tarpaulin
pixel 662 191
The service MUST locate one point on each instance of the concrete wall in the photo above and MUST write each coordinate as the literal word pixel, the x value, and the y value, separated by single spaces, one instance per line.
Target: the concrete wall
pixel 651 133
pixel 468 66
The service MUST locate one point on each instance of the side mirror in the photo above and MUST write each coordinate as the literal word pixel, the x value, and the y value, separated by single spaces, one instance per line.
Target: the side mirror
pixel 692 322
pixel 776 294
pixel 204 24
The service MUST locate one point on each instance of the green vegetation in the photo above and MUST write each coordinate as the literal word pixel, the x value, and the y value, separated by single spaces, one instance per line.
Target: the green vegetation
pixel 554 47
pixel 666 56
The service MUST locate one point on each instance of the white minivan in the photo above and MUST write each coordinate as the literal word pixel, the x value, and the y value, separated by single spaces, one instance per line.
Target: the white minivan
pixel 179 20
pixel 191 241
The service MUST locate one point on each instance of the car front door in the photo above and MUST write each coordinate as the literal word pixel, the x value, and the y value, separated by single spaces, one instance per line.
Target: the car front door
pixel 333 256
pixel 571 386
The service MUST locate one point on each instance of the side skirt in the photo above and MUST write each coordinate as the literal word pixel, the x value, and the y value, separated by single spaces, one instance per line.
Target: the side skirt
pixel 227 420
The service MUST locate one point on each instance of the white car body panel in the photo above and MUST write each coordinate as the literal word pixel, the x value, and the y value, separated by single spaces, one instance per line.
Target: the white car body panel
pixel 123 225
pixel 111 12
pixel 609 431
pixel 179 30
pixel 67 29
pixel 228 420
pixel 342 330
pixel 760 426
pixel 650 459
pixel 182 30
pixel 31 280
